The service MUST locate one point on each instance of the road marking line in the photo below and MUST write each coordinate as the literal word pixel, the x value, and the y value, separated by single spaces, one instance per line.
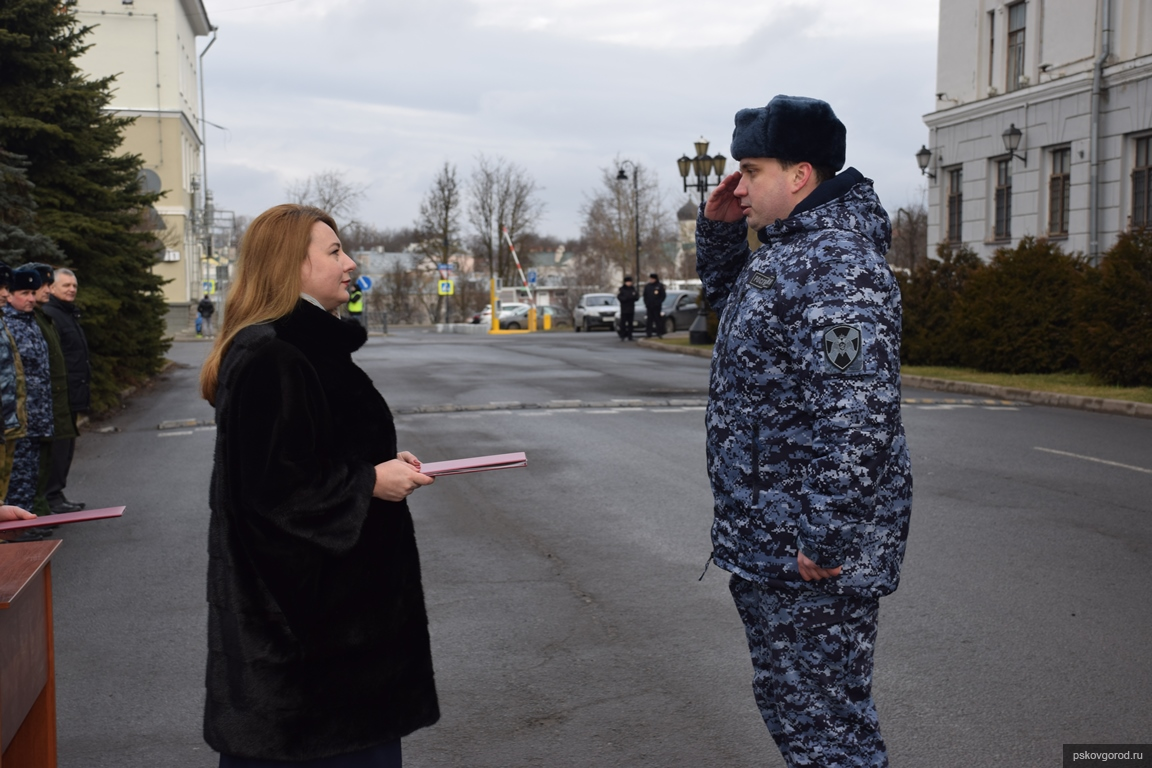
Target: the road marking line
pixel 174 434
pixel 1098 461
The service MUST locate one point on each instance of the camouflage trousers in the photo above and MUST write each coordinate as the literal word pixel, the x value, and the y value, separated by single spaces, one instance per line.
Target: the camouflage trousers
pixel 28 474
pixel 812 673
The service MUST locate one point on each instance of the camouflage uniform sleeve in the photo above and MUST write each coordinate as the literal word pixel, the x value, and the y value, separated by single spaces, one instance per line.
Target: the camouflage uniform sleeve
pixel 721 252
pixel 850 348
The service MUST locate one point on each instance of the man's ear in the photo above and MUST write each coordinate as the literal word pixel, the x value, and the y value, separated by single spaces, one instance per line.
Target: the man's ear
pixel 802 173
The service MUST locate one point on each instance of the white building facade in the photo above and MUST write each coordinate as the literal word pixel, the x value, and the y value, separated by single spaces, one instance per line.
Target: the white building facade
pixel 151 48
pixel 1071 82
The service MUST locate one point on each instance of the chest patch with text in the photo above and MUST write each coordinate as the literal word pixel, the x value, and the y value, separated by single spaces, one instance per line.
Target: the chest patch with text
pixel 762 280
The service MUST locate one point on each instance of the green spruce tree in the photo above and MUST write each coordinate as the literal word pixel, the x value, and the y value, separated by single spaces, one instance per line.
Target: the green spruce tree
pixel 87 194
pixel 19 240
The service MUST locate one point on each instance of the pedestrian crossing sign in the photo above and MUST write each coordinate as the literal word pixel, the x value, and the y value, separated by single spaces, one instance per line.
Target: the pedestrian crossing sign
pixel 446 288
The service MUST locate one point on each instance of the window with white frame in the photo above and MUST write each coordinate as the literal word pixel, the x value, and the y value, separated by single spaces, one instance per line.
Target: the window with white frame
pixel 1142 183
pixel 955 204
pixel 1017 15
pixel 1059 191
pixel 1002 218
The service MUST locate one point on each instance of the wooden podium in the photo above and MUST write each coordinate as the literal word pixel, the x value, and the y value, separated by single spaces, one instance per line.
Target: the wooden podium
pixel 27 667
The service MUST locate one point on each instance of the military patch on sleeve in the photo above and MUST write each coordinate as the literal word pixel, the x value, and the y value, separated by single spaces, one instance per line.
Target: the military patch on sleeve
pixel 842 345
pixel 761 280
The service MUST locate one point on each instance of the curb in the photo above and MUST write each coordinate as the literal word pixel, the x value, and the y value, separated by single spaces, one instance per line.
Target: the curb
pixel 1033 397
pixel 1052 399
pixel 705 352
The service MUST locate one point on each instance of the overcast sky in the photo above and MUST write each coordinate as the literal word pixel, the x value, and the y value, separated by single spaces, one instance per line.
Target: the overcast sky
pixel 386 91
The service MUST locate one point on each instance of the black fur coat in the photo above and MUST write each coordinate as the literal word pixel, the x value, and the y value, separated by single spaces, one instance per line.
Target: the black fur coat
pixel 317 632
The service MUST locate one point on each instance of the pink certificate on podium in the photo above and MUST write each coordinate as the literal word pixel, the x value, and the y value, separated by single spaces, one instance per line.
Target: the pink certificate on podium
pixel 474 464
pixel 62 518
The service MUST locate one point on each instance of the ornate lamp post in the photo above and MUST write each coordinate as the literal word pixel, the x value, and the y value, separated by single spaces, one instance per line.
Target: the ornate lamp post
pixel 703 165
pixel 622 176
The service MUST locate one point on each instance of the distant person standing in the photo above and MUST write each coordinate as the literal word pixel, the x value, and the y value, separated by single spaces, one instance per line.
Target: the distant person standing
pixel 206 309
pixel 33 353
pixel 355 304
pixel 64 425
pixel 61 308
pixel 654 294
pixel 627 296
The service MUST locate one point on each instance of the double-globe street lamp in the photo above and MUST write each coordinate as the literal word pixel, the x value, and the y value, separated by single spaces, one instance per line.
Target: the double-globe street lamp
pixel 703 165
pixel 621 175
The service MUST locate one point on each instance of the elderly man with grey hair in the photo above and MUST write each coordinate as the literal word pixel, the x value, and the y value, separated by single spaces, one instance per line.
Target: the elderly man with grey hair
pixel 61 307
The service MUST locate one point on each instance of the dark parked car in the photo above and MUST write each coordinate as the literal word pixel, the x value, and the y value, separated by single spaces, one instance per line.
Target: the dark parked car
pixel 679 310
pixel 518 318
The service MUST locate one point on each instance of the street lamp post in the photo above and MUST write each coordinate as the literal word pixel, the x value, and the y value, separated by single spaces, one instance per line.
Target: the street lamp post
pixel 622 176
pixel 703 165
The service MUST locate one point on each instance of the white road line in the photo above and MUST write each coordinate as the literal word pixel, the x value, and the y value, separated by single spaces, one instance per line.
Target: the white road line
pixel 174 434
pixel 1093 458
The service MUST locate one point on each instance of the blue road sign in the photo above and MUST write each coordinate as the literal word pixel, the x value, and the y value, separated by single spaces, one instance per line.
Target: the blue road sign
pixel 532 276
pixel 364 283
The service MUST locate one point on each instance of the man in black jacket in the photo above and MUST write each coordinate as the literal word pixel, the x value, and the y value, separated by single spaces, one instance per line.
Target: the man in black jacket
pixel 654 294
pixel 627 296
pixel 206 309
pixel 61 308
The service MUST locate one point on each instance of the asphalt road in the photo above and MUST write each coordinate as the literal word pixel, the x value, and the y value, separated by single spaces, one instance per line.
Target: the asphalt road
pixel 568 623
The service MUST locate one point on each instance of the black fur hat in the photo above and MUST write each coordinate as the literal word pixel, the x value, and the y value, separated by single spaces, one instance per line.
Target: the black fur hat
pixel 792 128
pixel 5 275
pixel 46 272
pixel 26 279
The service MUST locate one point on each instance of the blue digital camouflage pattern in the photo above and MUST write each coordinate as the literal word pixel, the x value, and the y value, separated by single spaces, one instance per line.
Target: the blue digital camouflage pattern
pixel 25 474
pixel 33 351
pixel 812 662
pixel 806 448
pixel 8 414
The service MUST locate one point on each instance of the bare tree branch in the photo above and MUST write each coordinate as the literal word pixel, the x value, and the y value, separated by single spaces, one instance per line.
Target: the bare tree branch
pixel 502 195
pixel 328 191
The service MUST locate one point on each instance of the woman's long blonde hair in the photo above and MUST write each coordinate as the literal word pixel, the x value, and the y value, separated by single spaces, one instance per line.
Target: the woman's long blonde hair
pixel 267 284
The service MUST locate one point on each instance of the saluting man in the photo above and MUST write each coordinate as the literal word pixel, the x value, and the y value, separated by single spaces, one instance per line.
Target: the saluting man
pixel 33 353
pixel 806 451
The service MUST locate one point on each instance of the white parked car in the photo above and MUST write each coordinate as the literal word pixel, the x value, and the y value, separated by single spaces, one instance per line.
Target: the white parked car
pixel 595 310
pixel 485 316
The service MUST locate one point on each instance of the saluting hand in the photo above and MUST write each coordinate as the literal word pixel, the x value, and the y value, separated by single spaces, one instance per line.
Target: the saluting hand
pixel 722 204
pixel 396 479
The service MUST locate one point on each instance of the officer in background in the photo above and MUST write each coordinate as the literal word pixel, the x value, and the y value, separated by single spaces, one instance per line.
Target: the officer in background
pixel 11 388
pixel 654 295
pixel 65 316
pixel 627 296
pixel 806 451
pixel 63 422
pixel 355 303
pixel 33 351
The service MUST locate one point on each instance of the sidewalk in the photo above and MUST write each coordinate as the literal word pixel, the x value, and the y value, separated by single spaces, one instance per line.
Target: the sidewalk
pixel 1033 397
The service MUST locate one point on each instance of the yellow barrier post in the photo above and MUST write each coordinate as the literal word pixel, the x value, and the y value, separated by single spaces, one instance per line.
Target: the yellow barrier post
pixel 492 304
pixel 532 318
pixel 547 321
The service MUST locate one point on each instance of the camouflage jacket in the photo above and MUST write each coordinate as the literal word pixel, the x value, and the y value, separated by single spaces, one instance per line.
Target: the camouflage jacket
pixel 8 394
pixel 33 351
pixel 806 448
pixel 21 427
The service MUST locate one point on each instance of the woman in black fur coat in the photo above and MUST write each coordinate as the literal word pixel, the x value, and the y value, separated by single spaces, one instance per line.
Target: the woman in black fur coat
pixel 318 650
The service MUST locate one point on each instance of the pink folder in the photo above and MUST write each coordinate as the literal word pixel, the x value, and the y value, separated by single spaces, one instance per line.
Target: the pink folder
pixel 474 464
pixel 62 518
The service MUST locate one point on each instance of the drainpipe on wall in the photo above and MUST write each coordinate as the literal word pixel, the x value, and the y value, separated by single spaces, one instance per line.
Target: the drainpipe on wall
pixel 1094 137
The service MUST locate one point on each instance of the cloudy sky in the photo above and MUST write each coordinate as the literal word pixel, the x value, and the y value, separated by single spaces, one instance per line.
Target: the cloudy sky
pixel 386 91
